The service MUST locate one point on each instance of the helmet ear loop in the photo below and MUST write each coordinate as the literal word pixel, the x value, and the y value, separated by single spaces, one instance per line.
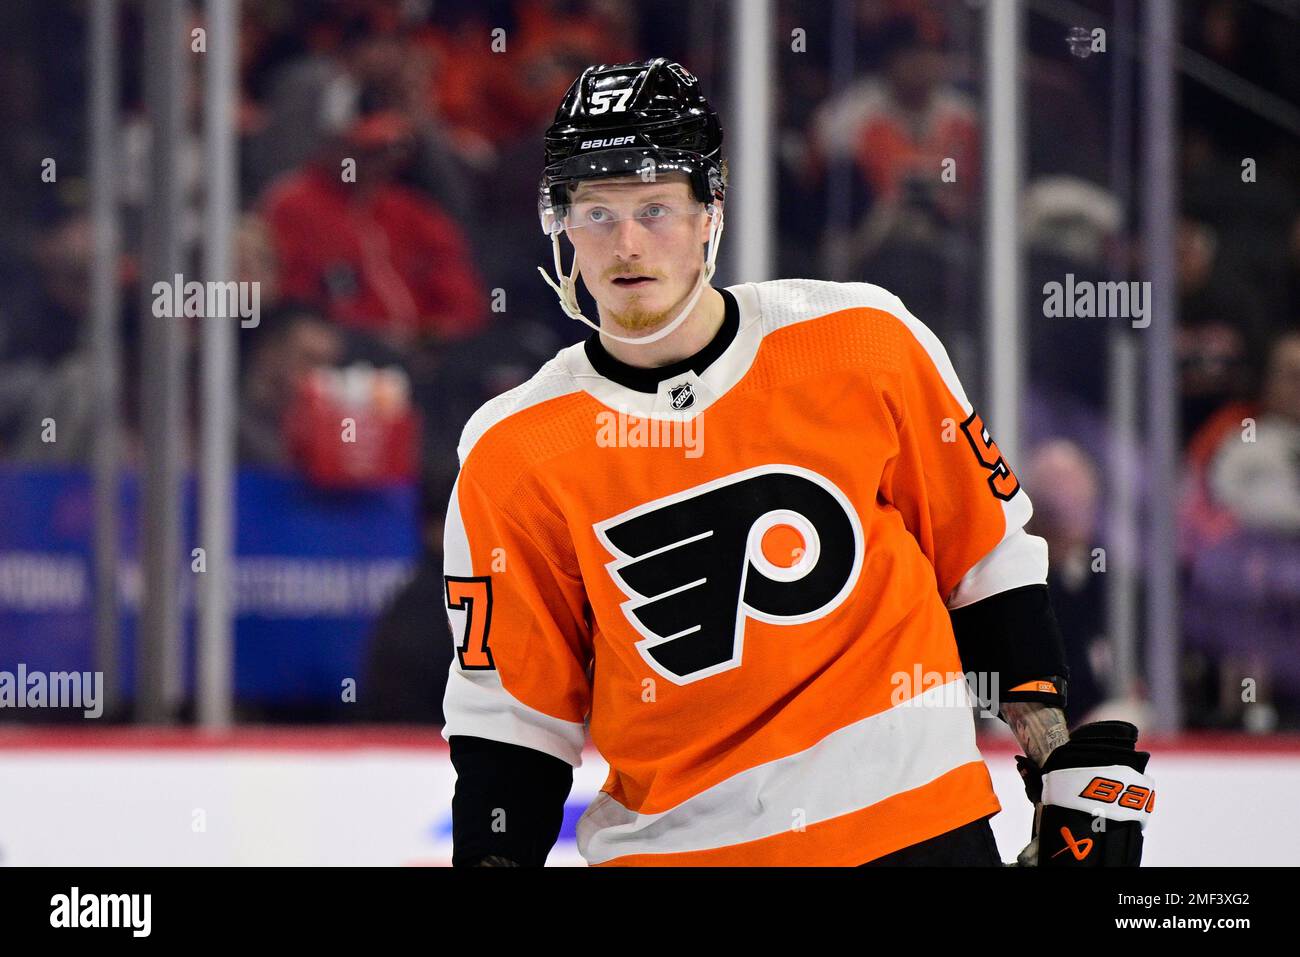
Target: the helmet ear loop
pixel 715 240
pixel 569 282
pixel 566 288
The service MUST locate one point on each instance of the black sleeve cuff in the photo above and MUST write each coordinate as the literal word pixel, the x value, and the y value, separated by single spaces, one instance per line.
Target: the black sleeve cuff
pixel 509 801
pixel 1013 639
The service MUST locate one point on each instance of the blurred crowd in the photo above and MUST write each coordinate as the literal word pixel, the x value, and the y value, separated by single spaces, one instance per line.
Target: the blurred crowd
pixel 389 152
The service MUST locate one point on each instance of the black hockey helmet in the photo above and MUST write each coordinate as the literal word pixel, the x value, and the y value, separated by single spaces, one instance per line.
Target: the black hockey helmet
pixel 622 119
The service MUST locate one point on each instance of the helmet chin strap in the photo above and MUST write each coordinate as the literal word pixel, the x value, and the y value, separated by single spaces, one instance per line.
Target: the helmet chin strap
pixel 567 289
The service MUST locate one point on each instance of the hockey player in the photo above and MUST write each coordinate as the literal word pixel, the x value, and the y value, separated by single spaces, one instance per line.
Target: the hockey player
pixel 736 613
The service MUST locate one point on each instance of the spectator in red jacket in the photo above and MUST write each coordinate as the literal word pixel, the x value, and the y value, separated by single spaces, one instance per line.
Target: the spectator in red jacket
pixel 371 253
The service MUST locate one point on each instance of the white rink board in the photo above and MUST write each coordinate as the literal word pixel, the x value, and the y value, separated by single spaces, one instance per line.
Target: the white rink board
pixel 380 806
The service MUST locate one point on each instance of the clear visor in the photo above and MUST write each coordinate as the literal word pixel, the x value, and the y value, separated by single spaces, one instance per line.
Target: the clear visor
pixel 647 166
pixel 601 218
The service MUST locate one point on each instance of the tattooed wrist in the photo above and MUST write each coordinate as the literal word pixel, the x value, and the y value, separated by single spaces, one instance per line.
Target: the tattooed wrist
pixel 1039 729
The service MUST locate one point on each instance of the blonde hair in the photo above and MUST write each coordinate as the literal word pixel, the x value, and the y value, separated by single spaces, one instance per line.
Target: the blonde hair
pixel 629 178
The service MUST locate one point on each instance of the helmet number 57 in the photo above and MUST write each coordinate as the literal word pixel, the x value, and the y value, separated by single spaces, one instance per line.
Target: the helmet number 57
pixel 603 101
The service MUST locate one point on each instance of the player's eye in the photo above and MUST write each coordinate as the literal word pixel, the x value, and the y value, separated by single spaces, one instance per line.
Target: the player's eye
pixel 655 211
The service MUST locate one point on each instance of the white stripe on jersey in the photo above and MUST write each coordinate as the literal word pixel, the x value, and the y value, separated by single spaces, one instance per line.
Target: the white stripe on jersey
pixel 850 769
pixel 1019 559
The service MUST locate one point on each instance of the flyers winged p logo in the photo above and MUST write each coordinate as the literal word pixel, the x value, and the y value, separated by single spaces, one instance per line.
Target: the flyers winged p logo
pixel 777 543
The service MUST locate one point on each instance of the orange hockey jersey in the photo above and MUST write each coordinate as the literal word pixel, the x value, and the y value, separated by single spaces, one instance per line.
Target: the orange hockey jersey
pixel 732 576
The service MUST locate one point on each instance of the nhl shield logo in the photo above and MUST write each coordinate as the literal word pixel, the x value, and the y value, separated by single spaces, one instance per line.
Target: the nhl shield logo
pixel 683 397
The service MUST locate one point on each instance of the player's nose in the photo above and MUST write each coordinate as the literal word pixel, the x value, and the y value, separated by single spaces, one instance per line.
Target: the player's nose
pixel 626 241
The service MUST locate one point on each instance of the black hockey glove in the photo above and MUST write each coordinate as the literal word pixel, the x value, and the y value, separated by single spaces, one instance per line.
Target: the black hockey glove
pixel 1093 799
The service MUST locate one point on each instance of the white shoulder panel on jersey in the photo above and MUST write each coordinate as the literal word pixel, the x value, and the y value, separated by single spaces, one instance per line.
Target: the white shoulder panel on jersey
pixel 1019 559
pixel 787 301
pixel 549 382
